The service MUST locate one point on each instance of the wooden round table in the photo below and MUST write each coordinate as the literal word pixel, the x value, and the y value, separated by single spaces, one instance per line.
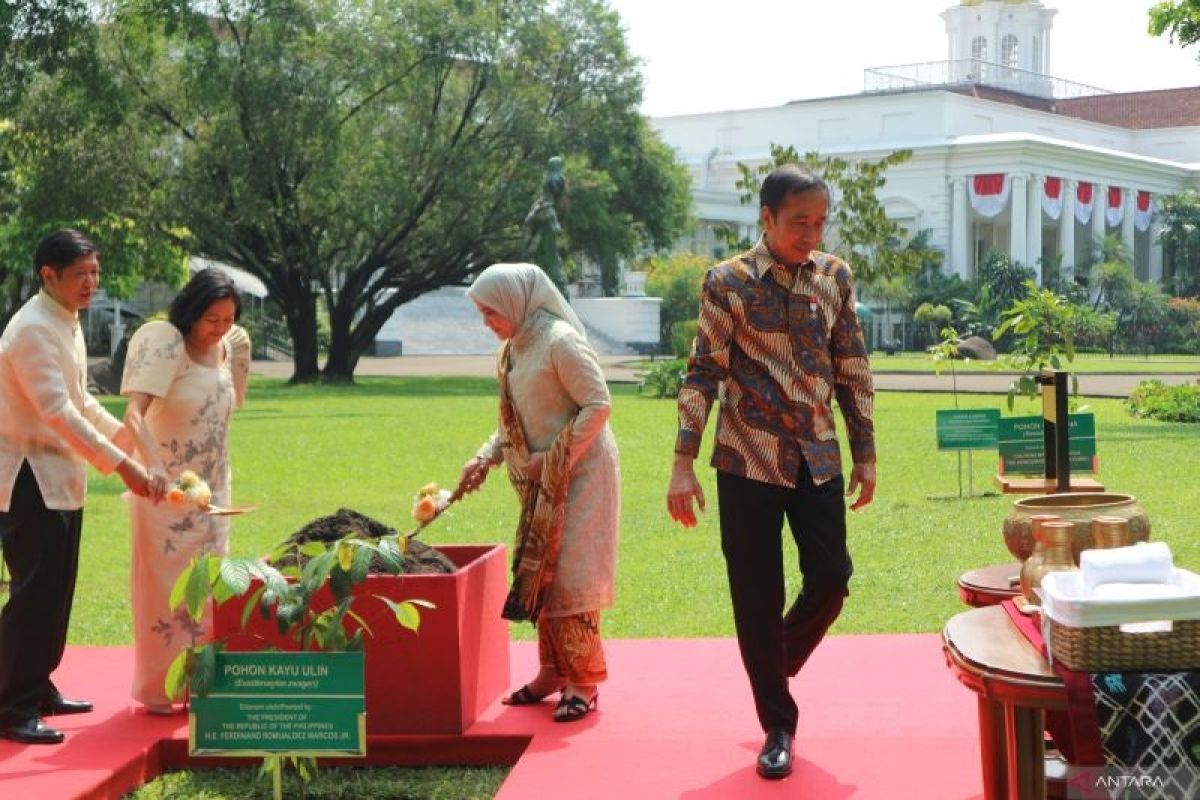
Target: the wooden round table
pixel 988 586
pixel 1015 687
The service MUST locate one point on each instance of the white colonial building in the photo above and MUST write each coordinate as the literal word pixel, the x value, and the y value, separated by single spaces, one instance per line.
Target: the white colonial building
pixel 1005 157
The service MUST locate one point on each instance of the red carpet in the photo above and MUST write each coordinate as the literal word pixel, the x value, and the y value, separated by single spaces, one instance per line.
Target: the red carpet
pixel 881 718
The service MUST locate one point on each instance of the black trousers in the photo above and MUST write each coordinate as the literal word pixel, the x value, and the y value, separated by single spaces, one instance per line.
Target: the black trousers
pixel 775 645
pixel 41 549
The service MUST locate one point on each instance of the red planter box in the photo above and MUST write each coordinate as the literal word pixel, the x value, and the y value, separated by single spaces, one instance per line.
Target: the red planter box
pixel 436 681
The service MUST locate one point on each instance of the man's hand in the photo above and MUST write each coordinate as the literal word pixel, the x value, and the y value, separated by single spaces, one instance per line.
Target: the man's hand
pixel 135 477
pixel 474 473
pixel 684 487
pixel 862 478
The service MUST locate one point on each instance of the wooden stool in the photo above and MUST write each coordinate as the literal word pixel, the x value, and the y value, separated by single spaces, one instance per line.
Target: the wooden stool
pixel 988 586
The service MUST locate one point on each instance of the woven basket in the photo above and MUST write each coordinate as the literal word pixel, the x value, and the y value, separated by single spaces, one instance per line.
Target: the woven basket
pixel 1108 649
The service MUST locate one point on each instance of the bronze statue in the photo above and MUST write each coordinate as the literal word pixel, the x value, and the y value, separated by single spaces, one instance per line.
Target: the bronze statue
pixel 542 227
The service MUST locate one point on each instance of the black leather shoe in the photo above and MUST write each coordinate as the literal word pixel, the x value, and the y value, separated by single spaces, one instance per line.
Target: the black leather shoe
pixel 775 758
pixel 31 731
pixel 55 708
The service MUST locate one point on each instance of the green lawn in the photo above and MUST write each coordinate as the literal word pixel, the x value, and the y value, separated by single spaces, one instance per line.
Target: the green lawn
pixel 302 452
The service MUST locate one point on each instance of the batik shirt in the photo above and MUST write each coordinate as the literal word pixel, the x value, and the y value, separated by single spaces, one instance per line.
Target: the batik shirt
pixel 775 346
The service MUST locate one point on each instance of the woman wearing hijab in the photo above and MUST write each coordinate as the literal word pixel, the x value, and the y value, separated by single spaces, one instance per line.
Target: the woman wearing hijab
pixel 561 457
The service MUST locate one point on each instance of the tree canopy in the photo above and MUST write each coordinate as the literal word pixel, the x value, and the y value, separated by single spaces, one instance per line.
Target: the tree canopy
pixel 859 228
pixel 358 155
pixel 64 159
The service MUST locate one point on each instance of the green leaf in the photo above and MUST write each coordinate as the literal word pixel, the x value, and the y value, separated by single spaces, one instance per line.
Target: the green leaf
pixel 362 564
pixel 271 577
pixel 268 601
pixel 198 588
pixel 362 624
pixel 317 570
pixel 179 590
pixel 204 671
pixel 340 584
pixel 222 593
pixel 389 554
pixel 288 613
pixel 313 549
pixel 235 573
pixel 406 611
pixel 345 554
pixel 176 680
pixel 251 604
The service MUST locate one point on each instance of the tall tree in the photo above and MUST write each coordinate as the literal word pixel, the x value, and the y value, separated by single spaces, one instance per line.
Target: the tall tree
pixel 1179 216
pixel 359 155
pixel 64 159
pixel 859 228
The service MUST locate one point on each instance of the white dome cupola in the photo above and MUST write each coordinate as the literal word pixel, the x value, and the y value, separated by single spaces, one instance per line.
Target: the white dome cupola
pixel 1014 34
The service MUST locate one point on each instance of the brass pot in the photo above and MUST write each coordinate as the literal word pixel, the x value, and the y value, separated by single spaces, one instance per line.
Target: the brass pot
pixel 1078 508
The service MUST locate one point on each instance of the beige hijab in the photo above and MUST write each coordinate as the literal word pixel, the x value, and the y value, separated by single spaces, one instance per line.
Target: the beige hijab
pixel 519 290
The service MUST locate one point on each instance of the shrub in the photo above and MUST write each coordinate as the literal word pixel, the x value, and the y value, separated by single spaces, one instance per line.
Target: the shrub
pixel 1155 400
pixel 678 280
pixel 683 333
pixel 1181 330
pixel 663 378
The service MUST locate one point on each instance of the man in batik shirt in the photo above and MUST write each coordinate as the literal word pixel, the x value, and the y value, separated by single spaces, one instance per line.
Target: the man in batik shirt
pixel 778 339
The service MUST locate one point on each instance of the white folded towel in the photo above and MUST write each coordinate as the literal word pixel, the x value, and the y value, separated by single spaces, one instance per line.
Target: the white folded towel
pixel 1140 563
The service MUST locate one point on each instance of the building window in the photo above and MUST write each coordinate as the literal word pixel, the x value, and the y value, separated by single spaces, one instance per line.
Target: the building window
pixel 979 48
pixel 1008 51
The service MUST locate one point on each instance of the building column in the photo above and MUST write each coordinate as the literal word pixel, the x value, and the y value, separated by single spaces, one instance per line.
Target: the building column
pixel 1156 252
pixel 1066 231
pixel 1099 207
pixel 1018 215
pixel 960 228
pixel 1129 201
pixel 1033 227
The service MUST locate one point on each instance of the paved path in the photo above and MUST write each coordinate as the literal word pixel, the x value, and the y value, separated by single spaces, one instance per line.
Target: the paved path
pixel 621 369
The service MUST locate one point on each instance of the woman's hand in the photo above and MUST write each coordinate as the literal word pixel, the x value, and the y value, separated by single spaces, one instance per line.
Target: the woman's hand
pixel 474 473
pixel 533 467
pixel 156 487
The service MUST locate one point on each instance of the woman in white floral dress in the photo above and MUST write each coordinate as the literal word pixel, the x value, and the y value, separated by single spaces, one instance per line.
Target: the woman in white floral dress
pixel 183 378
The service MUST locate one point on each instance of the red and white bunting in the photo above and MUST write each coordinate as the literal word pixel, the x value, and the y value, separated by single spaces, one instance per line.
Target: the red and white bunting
pixel 1083 203
pixel 1114 209
pixel 1052 197
pixel 1143 211
pixel 989 193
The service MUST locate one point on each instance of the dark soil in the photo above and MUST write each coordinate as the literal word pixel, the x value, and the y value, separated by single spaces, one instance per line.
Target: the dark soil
pixel 419 559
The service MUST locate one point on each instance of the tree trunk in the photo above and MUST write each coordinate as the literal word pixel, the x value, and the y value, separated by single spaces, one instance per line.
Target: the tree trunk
pixel 349 340
pixel 302 325
pixel 343 358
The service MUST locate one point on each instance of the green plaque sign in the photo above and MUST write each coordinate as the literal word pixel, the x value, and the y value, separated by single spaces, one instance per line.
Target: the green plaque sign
pixel 1022 445
pixel 967 429
pixel 269 703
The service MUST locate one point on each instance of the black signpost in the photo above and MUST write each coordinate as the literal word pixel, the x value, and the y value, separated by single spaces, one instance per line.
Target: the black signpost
pixel 1055 429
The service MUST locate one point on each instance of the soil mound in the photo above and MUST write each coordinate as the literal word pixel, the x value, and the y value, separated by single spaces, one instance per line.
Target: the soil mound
pixel 420 558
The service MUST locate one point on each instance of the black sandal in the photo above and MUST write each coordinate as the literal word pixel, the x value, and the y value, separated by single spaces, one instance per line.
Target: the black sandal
pixel 525 697
pixel 575 707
